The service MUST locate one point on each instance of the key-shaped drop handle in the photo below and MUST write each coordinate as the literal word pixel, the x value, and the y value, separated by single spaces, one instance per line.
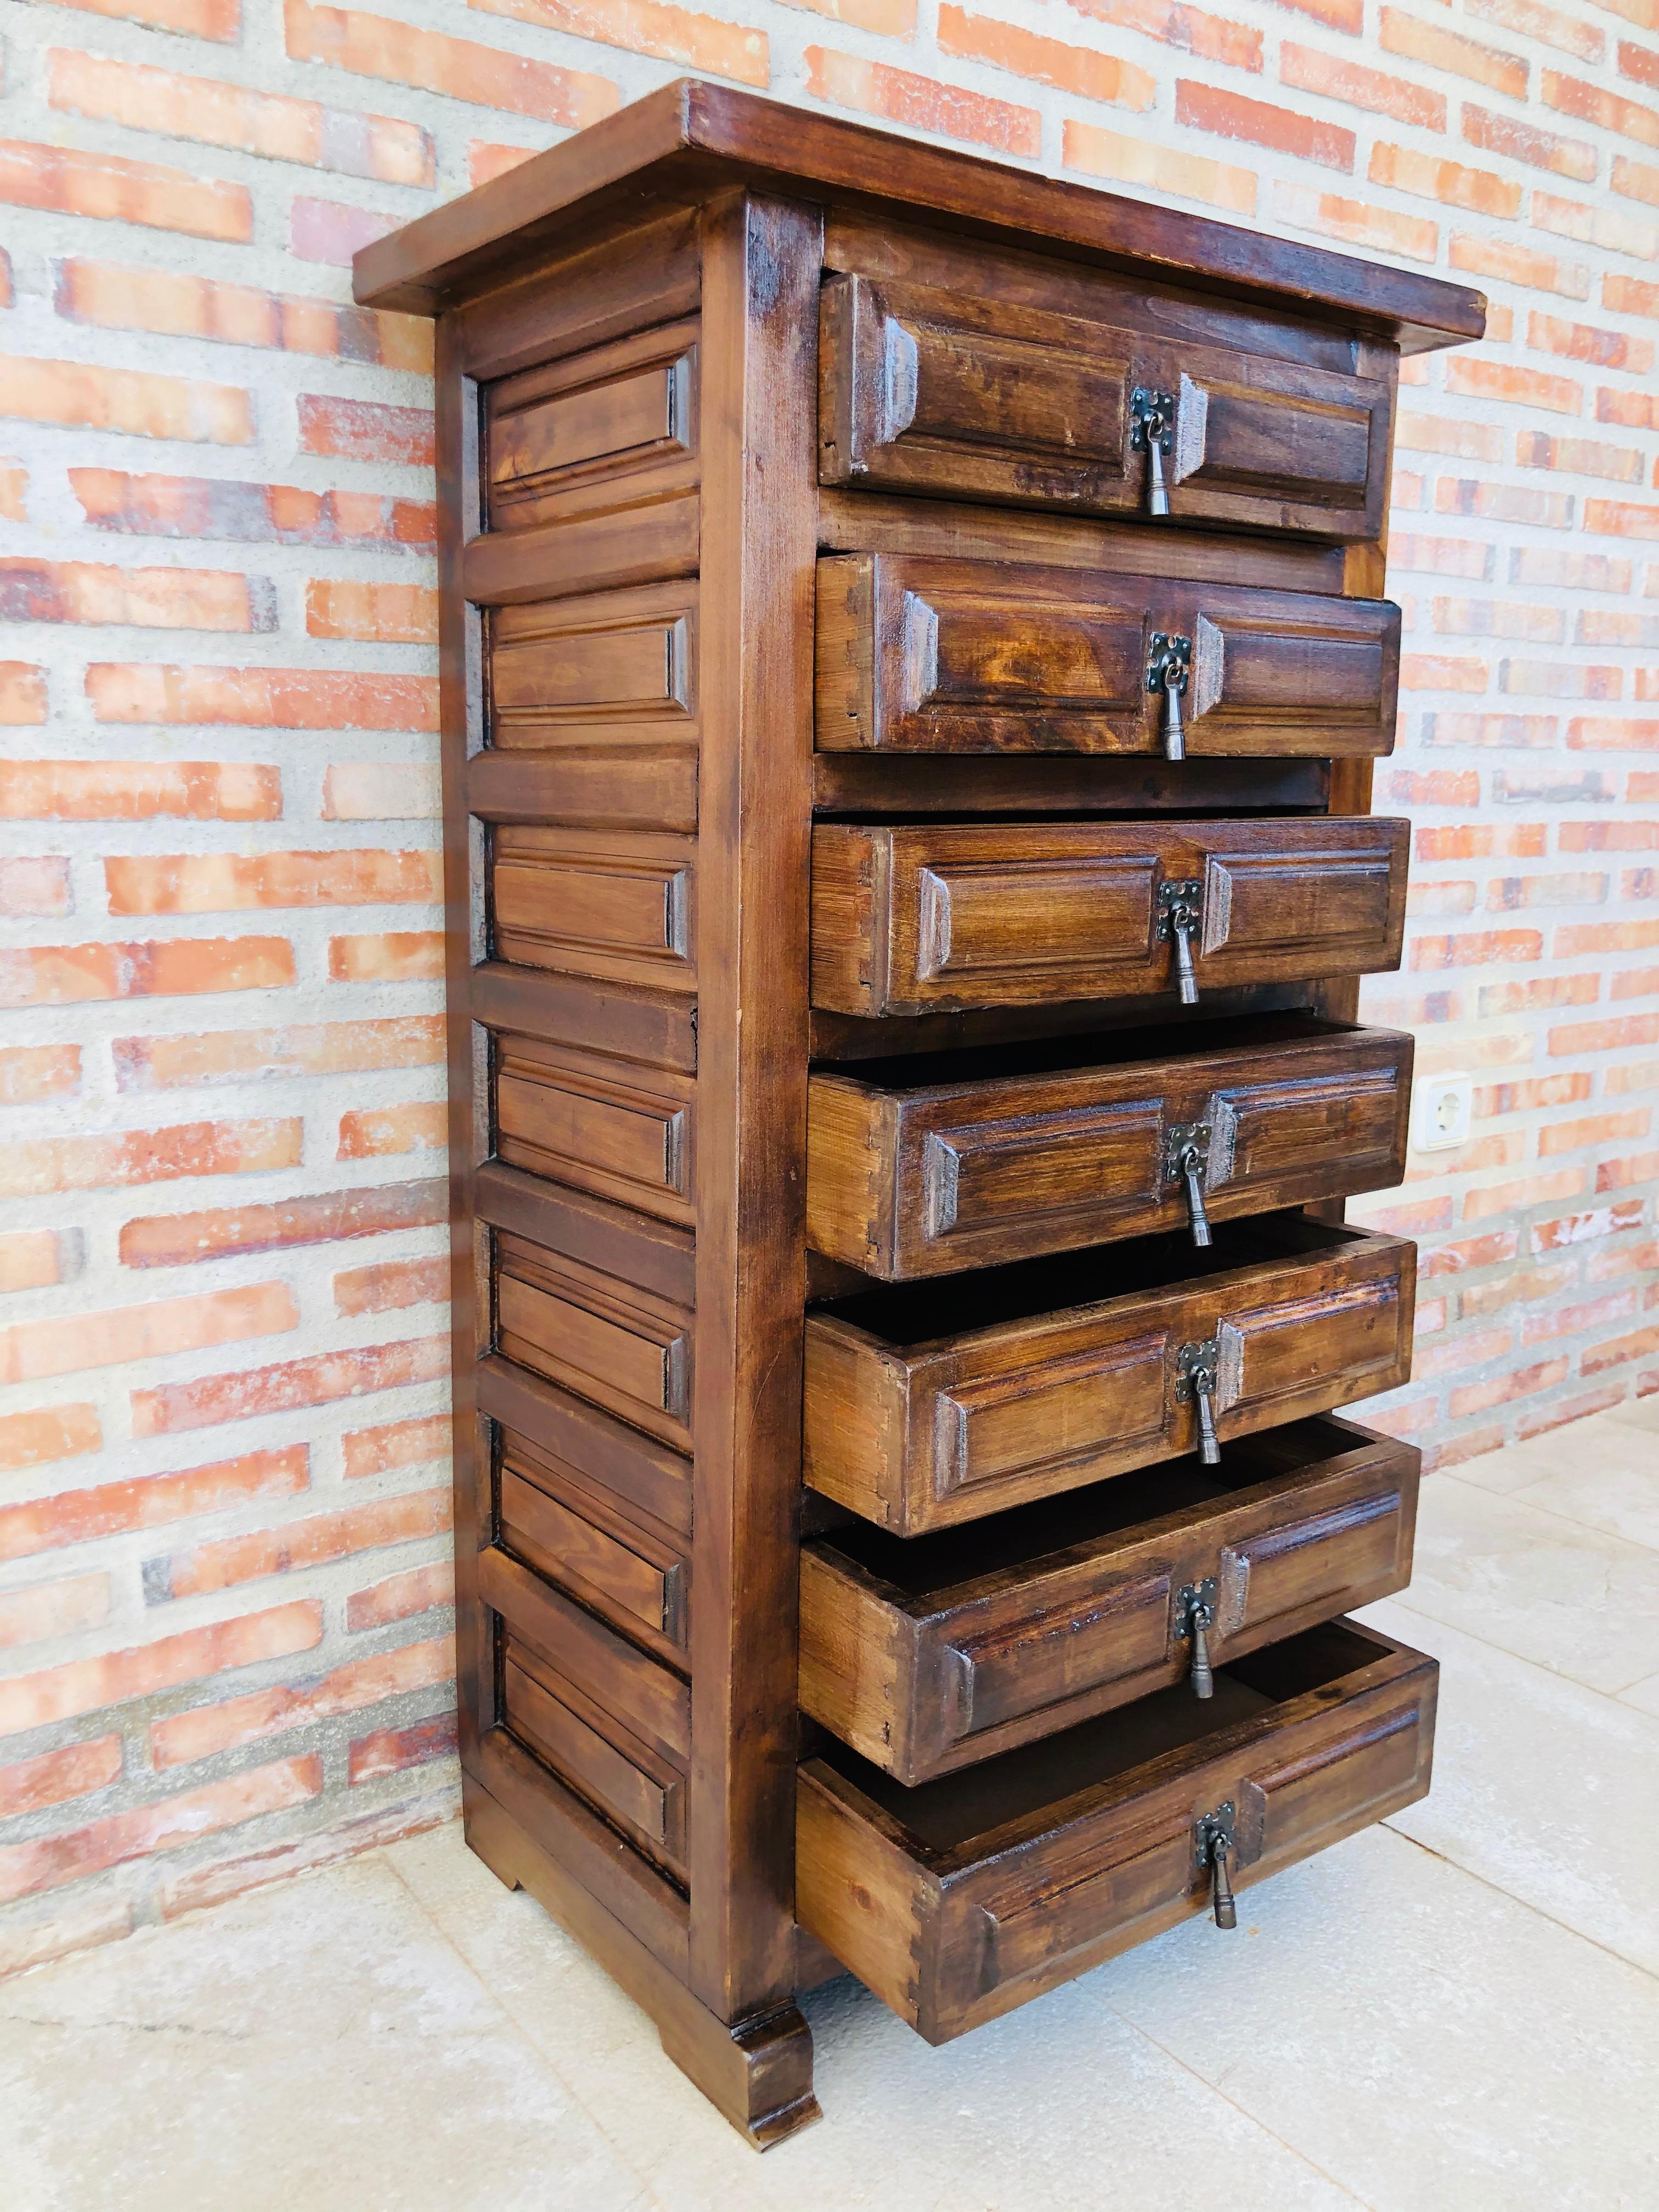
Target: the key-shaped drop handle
pixel 1214 1839
pixel 1186 1155
pixel 1180 910
pixel 1195 1618
pixel 1168 668
pixel 1151 432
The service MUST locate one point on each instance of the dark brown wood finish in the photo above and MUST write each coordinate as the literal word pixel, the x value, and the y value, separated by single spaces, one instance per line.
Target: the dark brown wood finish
pixel 665 647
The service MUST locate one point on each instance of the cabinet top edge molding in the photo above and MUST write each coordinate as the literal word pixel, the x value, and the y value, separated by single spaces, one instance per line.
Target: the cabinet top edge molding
pixel 689 139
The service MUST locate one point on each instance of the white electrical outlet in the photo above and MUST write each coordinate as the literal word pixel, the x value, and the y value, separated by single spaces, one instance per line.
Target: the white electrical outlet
pixel 1443 1109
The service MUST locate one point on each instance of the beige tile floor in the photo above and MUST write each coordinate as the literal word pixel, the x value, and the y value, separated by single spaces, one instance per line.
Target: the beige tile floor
pixel 1456 2010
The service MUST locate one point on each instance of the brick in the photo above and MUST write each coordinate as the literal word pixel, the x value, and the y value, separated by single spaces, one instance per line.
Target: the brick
pixel 1586 1228
pixel 1599 1358
pixel 1173 23
pixel 1517 264
pixel 1589 103
pixel 232 1560
pixel 334 231
pixel 1308 68
pixel 485 162
pixel 1475 840
pixel 1095 153
pixel 397 1443
pixel 1416 40
pixel 22 694
pixel 1512 386
pixel 1635 180
pixel 1639 63
pixel 218 883
pixel 47 1435
pixel 1482 1300
pixel 1575 1038
pixel 216 1056
pixel 39 886
pixel 1575 942
pixel 1426 176
pixel 1499 618
pixel 55 1777
pixel 1469 1255
pixel 1231 115
pixel 31 1073
pixel 1622 1260
pixel 1475 1444
pixel 1441 672
pixel 365 431
pixel 1636 411
pixel 108 1508
pixel 417 1590
pixel 290 1386
pixel 207 1729
pixel 318 1217
pixel 174 304
pixel 397 53
pixel 36 1258
pixel 380 791
pixel 1610 626
pixel 1608 228
pixel 1505 1389
pixel 393 1286
pixel 1526 731
pixel 139 791
pixel 1612 733
pixel 1090 76
pixel 213 113
pixel 31 1351
pixel 1469 1350
pixel 1557 1416
pixel 922 103
pixel 261 698
pixel 1612 517
pixel 1356 222
pixel 1509 894
pixel 1439 788
pixel 393 1751
pixel 1568 572
pixel 43 1611
pixel 1495 503
pixel 1347 15
pixel 1422 1216
pixel 1629 295
pixel 197 19
pixel 1634 983
pixel 143 1155
pixel 14 490
pixel 1592 1129
pixel 144 598
pixel 390 614
pixel 1536 449
pixel 1569 33
pixel 254 513
pixel 1557 680
pixel 87 1686
pixel 1476 948
pixel 1614 836
pixel 415 956
pixel 62 975
pixel 703 43
pixel 106 187
pixel 373 1132
pixel 144 1830
pixel 217 1880
pixel 1420 1010
pixel 1441 434
pixel 75 395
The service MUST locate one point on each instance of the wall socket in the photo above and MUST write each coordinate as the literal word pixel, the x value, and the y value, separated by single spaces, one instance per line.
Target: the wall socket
pixel 1443 1107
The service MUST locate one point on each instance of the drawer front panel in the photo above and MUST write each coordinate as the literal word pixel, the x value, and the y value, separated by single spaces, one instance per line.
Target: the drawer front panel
pixel 924 919
pixel 923 656
pixel 620 1132
pixel 612 906
pixel 636 1582
pixel 616 665
pixel 953 1932
pixel 616 410
pixel 628 1782
pixel 1035 1644
pixel 623 1348
pixel 917 1437
pixel 925 389
pixel 931 1181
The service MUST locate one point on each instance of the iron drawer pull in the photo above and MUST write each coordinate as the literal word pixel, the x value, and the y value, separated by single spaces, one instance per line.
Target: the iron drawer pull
pixel 1215 1842
pixel 1186 1155
pixel 1197 1370
pixel 1167 671
pixel 1195 1619
pixel 1180 910
pixel 1151 432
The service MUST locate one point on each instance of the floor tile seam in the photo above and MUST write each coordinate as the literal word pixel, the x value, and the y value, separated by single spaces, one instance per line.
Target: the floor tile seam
pixel 1571 1520
pixel 648 2195
pixel 1538 1912
pixel 1402 1599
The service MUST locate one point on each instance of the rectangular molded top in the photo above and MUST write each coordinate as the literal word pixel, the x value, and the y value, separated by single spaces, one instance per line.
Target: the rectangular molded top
pixel 690 138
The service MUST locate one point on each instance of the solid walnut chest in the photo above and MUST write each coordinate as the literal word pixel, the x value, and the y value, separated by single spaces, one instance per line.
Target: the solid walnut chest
pixel 913 650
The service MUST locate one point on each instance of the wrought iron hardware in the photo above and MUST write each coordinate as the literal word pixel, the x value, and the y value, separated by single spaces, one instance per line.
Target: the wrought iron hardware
pixel 1151 432
pixel 1215 1841
pixel 1180 910
pixel 1186 1155
pixel 1169 667
pixel 1196 1369
pixel 1195 1618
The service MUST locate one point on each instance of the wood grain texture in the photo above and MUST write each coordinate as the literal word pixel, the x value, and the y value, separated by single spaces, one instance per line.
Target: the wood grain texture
pixel 925 1657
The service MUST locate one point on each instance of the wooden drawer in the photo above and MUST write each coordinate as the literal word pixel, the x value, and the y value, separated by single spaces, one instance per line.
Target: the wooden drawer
pixel 995 1388
pixel 618 1344
pixel 928 1653
pixel 958 1899
pixel 926 390
pixel 919 655
pixel 925 1166
pixel 929 917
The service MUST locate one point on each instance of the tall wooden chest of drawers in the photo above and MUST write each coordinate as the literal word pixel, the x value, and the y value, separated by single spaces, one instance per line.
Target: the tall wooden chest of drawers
pixel 913 654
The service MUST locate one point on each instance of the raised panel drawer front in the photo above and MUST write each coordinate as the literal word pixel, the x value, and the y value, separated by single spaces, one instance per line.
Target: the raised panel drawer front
pixel 919 655
pixel 926 918
pixel 961 1898
pixel 925 389
pixel 926 1166
pixel 929 1654
pixel 998 1388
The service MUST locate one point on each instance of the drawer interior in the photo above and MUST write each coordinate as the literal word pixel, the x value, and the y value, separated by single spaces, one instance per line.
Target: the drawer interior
pixel 961 1811
pixel 1059 1056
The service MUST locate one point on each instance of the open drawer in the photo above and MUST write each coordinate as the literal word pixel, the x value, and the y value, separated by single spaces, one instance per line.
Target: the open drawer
pixel 959 1899
pixel 929 1654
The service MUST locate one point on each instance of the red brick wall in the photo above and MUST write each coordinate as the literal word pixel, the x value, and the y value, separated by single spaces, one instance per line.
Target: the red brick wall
pixel 223 1539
